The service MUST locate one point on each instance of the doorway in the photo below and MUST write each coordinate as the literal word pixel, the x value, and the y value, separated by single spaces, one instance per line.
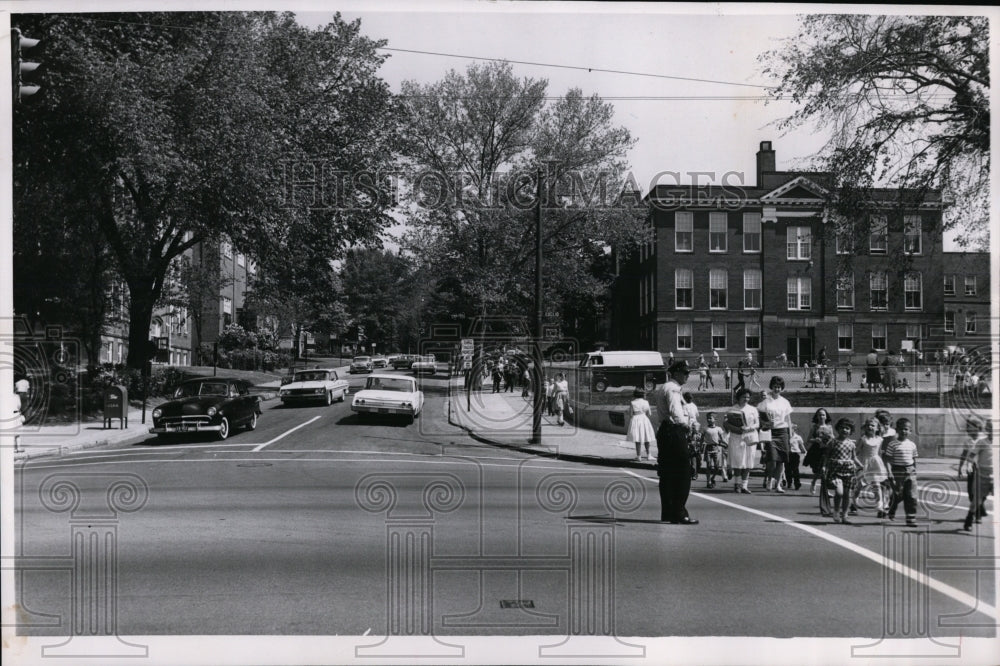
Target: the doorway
pixel 800 349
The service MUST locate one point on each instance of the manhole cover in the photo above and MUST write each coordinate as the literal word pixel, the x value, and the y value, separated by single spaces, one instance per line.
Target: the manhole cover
pixel 254 464
pixel 517 603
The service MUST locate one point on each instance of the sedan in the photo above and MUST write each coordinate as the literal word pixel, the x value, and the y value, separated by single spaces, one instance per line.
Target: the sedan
pixel 361 364
pixel 389 395
pixel 403 361
pixel 314 386
pixel 380 362
pixel 423 364
pixel 207 404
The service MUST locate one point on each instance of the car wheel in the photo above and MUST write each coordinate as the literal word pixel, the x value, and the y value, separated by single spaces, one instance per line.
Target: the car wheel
pixel 343 395
pixel 252 423
pixel 329 398
pixel 224 432
pixel 601 386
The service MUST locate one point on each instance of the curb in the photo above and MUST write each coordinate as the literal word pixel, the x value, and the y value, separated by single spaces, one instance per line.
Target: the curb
pixel 62 449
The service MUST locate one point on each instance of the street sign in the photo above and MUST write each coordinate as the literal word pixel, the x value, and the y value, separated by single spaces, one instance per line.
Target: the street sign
pixel 468 345
pixel 467 365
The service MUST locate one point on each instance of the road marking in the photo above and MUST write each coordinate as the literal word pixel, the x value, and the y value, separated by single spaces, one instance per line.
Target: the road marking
pixel 518 462
pixel 287 433
pixel 956 594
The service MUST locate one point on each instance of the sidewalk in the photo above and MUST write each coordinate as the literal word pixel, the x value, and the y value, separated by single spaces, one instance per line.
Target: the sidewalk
pixel 505 420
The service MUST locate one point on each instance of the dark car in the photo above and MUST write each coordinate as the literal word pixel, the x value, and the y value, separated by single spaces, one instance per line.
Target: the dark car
pixel 403 361
pixel 208 404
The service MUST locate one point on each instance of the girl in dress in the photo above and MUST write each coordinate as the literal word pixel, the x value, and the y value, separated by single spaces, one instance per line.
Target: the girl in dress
pixel 640 428
pixel 873 471
pixel 742 423
pixel 820 436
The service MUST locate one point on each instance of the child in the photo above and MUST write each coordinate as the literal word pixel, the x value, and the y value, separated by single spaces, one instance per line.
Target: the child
pixel 640 429
pixel 900 456
pixel 979 456
pixel 796 449
pixel 849 368
pixel 874 473
pixel 728 375
pixel 841 462
pixel 694 439
pixel 713 440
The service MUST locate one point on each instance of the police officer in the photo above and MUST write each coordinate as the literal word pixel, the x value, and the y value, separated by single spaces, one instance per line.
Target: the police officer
pixel 673 462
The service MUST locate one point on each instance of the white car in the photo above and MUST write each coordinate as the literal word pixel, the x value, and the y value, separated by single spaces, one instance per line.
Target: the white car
pixel 424 364
pixel 361 364
pixel 319 385
pixel 390 395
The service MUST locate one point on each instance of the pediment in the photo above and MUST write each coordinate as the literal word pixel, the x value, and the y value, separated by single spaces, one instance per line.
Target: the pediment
pixel 797 189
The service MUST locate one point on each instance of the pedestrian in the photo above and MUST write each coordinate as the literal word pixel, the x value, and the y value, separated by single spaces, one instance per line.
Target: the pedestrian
pixel 900 456
pixel 796 450
pixel 753 372
pixel 713 442
pixel 673 466
pixel 872 375
pixel 562 399
pixel 885 429
pixel 778 411
pixel 510 377
pixel 640 428
pixel 873 473
pixel 743 372
pixel 18 405
pixel 702 371
pixel 708 378
pixel 890 372
pixel 715 358
pixel 550 395
pixel 694 439
pixel 820 436
pixel 742 422
pixel 848 370
pixel 22 387
pixel 497 378
pixel 526 380
pixel 727 374
pixel 841 464
pixel 978 454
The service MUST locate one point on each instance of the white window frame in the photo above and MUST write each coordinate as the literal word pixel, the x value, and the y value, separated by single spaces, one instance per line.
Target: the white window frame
pixel 685 327
pixel 751 230
pixel 878 240
pixel 679 284
pixel 949 283
pixel 949 321
pixel 970 287
pixel 909 223
pixel 884 330
pixel 227 305
pixel 970 323
pixel 227 249
pixel 714 276
pixel 845 280
pixel 718 227
pixel 752 284
pixel 798 243
pixel 751 331
pixel 908 282
pixel 883 278
pixel 843 242
pixel 799 289
pixel 841 330
pixel 683 225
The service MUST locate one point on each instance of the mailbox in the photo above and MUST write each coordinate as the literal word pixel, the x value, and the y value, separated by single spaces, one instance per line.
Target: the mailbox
pixel 116 406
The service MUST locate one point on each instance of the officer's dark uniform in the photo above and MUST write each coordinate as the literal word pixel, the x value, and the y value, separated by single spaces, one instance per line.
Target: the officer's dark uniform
pixel 673 462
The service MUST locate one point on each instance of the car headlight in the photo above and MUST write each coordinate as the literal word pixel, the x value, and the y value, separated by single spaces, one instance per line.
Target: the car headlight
pixel 319 390
pixel 157 413
pixel 212 411
pixel 283 392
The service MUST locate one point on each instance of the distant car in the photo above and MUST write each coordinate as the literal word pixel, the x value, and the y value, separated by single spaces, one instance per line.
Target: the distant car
pixel 208 404
pixel 392 357
pixel 424 364
pixel 361 364
pixel 403 361
pixel 380 362
pixel 389 395
pixel 320 385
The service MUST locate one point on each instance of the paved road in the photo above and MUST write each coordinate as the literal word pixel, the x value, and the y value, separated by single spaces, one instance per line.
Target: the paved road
pixel 318 524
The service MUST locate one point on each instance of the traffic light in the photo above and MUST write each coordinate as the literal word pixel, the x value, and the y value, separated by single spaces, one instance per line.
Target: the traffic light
pixel 18 43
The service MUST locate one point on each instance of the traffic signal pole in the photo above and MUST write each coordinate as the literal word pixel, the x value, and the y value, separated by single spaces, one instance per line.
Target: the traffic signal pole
pixel 539 396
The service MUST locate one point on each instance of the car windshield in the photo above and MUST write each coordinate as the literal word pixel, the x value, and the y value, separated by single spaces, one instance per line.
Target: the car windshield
pixel 389 384
pixel 311 376
pixel 200 388
pixel 362 359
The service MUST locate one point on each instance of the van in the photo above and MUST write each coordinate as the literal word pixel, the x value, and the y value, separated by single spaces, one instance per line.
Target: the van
pixel 642 369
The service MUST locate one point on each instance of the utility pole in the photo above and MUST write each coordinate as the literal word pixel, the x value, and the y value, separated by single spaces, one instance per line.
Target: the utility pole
pixel 539 396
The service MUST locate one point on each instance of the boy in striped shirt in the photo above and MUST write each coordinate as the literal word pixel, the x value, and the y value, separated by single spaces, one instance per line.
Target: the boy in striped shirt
pixel 900 457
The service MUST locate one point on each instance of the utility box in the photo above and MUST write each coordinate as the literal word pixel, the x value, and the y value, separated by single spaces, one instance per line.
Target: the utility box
pixel 116 406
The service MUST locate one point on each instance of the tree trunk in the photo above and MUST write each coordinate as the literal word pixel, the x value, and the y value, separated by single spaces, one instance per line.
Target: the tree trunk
pixel 140 315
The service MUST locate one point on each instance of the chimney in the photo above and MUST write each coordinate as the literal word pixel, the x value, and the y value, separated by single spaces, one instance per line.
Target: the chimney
pixel 765 161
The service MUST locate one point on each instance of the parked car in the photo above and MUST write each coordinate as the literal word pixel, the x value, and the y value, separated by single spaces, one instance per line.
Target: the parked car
pixel 424 364
pixel 380 362
pixel 361 364
pixel 389 395
pixel 208 404
pixel 403 361
pixel 321 385
pixel 642 369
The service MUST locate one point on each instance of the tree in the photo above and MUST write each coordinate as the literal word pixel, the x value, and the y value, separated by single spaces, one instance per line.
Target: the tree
pixel 476 142
pixel 173 122
pixel 906 101
pixel 379 287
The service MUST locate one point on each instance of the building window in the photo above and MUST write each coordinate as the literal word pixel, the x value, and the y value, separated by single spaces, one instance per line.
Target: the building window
pixel 843 242
pixel 121 352
pixel 227 305
pixel 751 289
pixel 913 332
pixel 949 322
pixel 717 232
pixel 227 249
pixel 911 234
pixel 845 291
pixel 949 285
pixel 719 335
pixel 752 335
pixel 970 285
pixel 717 289
pixel 799 293
pixel 845 337
pixel 751 232
pixel 799 241
pixel 912 291
pixel 879 240
pixel 683 232
pixel 683 336
pixel 970 322
pixel 683 289
pixel 879 284
pixel 241 260
pixel 878 337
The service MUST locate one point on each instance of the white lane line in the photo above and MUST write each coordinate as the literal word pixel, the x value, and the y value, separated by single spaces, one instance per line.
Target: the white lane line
pixel 517 462
pixel 956 594
pixel 287 433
